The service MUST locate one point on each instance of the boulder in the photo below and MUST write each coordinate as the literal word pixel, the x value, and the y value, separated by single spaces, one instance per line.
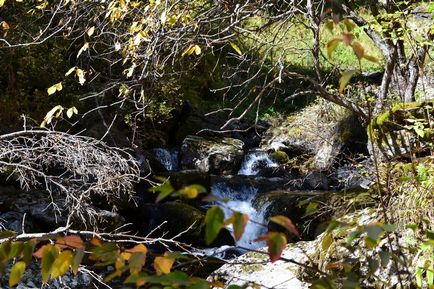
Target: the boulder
pixel 182 220
pixel 255 270
pixel 320 132
pixel 212 155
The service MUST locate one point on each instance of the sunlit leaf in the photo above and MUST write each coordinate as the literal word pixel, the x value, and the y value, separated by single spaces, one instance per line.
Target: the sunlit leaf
pixel 286 223
pixel 80 75
pixel 83 49
pixel 358 49
pixel 329 25
pixel 71 111
pixel 54 112
pixel 192 191
pixel 71 70
pixel 17 272
pixel 163 264
pixel 140 248
pixel 345 78
pixel 2 2
pixel 236 48
pixel 49 254
pixel 61 264
pixel 197 49
pixel 276 242
pixel 28 248
pixel 311 208
pixel 331 46
pixel 90 31
pixel 16 249
pixel 56 87
pixel 4 25
pixel 164 189
pixel 214 222
pixel 371 58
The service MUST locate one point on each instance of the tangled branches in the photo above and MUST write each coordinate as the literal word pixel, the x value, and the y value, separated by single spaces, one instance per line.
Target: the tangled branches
pixel 73 169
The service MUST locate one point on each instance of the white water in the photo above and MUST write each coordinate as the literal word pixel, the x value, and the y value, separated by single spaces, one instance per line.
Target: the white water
pixel 254 161
pixel 241 201
pixel 169 159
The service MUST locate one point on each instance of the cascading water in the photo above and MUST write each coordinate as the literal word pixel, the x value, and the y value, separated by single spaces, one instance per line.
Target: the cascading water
pixel 254 161
pixel 169 159
pixel 241 200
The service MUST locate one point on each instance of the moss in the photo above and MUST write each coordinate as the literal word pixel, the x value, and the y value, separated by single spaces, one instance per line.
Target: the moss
pixel 280 157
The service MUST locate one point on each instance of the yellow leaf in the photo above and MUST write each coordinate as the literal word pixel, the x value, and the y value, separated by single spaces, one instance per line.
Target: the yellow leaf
pixel 71 111
pixel 331 46
pixel 17 273
pixel 51 90
pixel 82 49
pixel 80 75
pixel 197 50
pixel 371 58
pixel 49 116
pixel 236 48
pixel 58 86
pixel 345 78
pixel 162 265
pixel 358 49
pixel 189 50
pixel 61 264
pixel 71 70
pixel 2 2
pixel 90 31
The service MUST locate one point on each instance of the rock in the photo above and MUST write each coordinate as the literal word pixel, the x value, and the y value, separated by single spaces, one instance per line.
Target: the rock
pixel 321 131
pixel 187 177
pixel 13 221
pixel 162 160
pixel 315 181
pixel 256 271
pixel 212 155
pixel 280 157
pixel 351 178
pixel 178 218
pixel 287 203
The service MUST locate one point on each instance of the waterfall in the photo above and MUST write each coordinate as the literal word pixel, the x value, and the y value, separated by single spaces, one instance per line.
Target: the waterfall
pixel 169 159
pixel 254 161
pixel 241 200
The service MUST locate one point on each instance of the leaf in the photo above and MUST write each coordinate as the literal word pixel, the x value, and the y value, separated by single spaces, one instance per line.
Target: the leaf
pixel 2 2
pixel 164 189
pixel 83 49
pixel 140 248
pixel 163 264
pixel 71 70
pixel 236 48
pixel 214 221
pixel 326 242
pixel 56 87
pixel 54 112
pixel 347 38
pixel 374 231
pixel 76 261
pixel 71 111
pixel 371 58
pixel 310 209
pixel 286 223
pixel 28 248
pixel 189 51
pixel 331 46
pixel 276 242
pixel 345 78
pixel 349 24
pixel 15 250
pixel 136 262
pixel 80 75
pixel 61 264
pixel 197 50
pixel 71 241
pixel 17 272
pixel 192 191
pixel 49 254
pixel 7 234
pixel 4 25
pixel 90 31
pixel 358 49
pixel 239 222
pixel 329 25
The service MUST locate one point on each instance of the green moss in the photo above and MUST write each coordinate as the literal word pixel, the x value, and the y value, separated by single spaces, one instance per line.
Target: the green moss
pixel 280 156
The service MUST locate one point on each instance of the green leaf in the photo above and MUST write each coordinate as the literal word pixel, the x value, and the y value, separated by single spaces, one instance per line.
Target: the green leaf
pixel 17 272
pixel 326 242
pixel 371 58
pixel 236 48
pixel 7 234
pixel 214 222
pixel 345 78
pixel 286 223
pixel 76 261
pixel 16 249
pixel 384 257
pixel 164 189
pixel 28 248
pixel 136 262
pixel 61 264
pixel 192 191
pixel 374 231
pixel 49 254
pixel 239 223
pixel 276 242
pixel 310 209
pixel 349 24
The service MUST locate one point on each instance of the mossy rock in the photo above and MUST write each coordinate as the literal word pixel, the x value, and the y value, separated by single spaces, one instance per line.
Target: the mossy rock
pixel 280 157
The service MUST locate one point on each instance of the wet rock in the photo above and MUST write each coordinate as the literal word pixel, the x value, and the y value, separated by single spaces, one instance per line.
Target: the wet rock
pixel 162 160
pixel 211 155
pixel 315 181
pixel 251 183
pixel 187 177
pixel 13 221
